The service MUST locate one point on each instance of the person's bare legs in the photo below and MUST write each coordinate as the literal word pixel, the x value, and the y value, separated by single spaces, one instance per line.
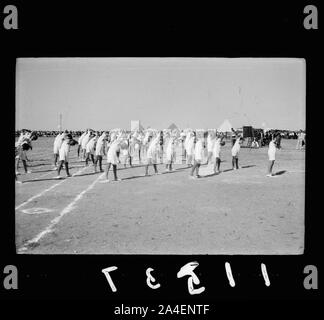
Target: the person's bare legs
pixel 67 169
pixel 95 163
pixel 236 162
pixel 25 165
pixel 100 164
pixel 55 159
pixel 87 159
pixel 79 147
pixel 189 161
pixel 17 165
pixel 216 165
pixel 115 172
pixel 197 169
pixel 210 154
pixel 270 166
pixel 146 169
pixel 193 168
pixel 60 168
pixel 107 170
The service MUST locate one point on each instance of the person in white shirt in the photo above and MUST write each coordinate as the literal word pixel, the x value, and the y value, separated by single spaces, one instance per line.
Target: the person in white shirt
pixel 84 143
pixel 101 147
pixel 57 145
pixel 274 144
pixel 112 156
pixel 64 155
pixel 198 156
pixel 80 142
pixel 190 147
pixel 21 138
pixel 20 152
pixel 255 143
pixel 23 144
pixel 125 150
pixel 90 147
pixel 219 142
pixel 170 152
pixel 133 147
pixel 299 140
pixel 235 152
pixel 211 138
pixel 152 153
pixel 303 140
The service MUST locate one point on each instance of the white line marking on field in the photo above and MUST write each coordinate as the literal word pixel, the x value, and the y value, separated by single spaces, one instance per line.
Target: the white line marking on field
pixel 36 210
pixel 44 191
pixel 56 220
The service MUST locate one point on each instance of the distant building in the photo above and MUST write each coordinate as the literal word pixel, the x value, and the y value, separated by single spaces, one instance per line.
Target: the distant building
pixel 136 125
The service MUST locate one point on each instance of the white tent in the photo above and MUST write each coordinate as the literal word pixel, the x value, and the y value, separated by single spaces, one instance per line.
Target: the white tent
pixel 225 126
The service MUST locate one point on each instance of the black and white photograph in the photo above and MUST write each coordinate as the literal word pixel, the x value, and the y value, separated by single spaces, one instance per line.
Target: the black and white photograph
pixel 172 156
pixel 161 162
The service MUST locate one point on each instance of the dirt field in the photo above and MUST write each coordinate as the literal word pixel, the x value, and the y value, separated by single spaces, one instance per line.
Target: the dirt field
pixel 234 212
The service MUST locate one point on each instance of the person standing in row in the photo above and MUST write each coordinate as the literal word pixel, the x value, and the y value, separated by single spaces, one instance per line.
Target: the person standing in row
pixel 80 143
pixel 90 148
pixel 198 156
pixel 211 138
pixel 235 152
pixel 170 152
pixel 112 157
pixel 152 154
pixel 190 147
pixel 57 145
pixel 64 155
pixel 100 150
pixel 84 143
pixel 274 144
pixel 219 142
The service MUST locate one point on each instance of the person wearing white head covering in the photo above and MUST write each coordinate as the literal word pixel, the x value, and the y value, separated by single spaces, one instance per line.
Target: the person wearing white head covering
pixel 56 148
pixel 90 148
pixel 190 147
pixel 133 147
pixel 139 145
pixel 21 138
pixel 145 142
pixel 274 144
pixel 64 155
pixel 211 138
pixel 235 152
pixel 20 154
pixel 152 154
pixel 21 147
pixel 171 151
pixel 84 143
pixel 216 151
pixel 80 142
pixel 198 156
pixel 100 150
pixel 112 157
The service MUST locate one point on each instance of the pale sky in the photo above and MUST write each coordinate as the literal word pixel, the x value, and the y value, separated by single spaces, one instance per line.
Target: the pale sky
pixel 106 93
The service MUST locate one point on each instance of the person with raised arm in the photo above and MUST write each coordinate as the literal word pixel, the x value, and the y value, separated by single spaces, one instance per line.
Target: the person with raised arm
pixel 219 142
pixel 152 153
pixel 274 144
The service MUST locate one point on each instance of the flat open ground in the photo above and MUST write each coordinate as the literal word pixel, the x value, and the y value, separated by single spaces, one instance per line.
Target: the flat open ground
pixel 235 212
